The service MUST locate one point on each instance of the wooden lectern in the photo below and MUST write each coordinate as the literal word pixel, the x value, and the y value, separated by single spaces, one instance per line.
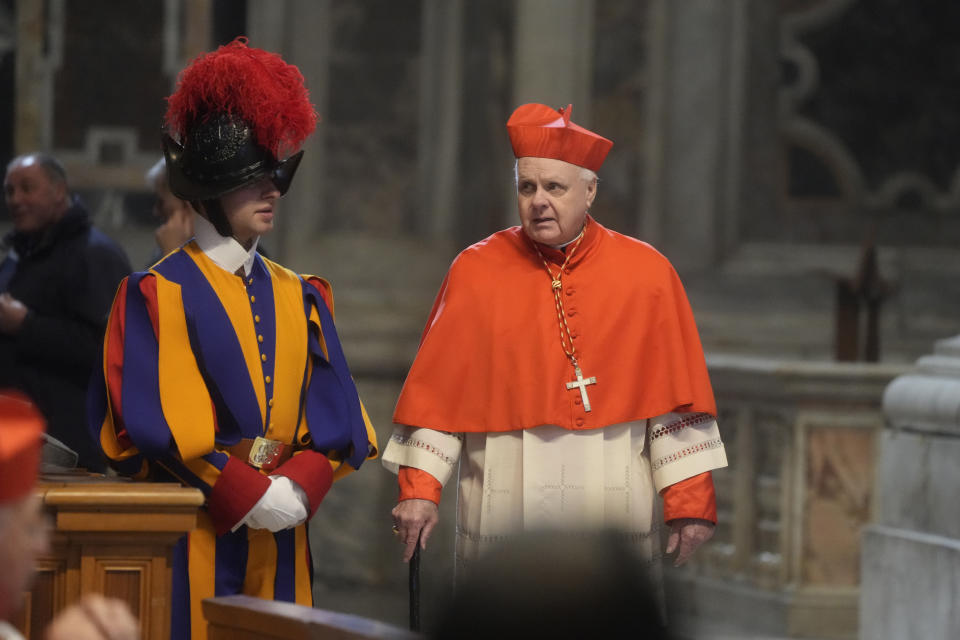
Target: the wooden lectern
pixel 111 537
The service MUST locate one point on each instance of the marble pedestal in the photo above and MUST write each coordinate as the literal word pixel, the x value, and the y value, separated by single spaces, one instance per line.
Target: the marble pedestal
pixel 911 555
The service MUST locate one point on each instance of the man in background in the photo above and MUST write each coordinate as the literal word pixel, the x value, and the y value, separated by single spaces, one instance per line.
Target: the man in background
pixel 175 215
pixel 58 276
pixel 24 535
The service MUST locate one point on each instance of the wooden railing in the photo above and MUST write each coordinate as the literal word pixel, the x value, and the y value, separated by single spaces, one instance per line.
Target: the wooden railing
pixel 247 618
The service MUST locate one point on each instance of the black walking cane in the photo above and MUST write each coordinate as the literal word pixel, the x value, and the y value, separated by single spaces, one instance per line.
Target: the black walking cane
pixel 415 588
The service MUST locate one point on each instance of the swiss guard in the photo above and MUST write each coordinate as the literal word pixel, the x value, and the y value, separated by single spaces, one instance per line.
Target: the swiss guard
pixel 222 370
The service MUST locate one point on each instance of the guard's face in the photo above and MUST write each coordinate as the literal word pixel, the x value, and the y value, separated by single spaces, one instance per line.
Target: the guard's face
pixel 250 209
pixel 34 200
pixel 552 199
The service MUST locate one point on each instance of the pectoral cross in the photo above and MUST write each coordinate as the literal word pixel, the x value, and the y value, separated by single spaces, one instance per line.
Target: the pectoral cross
pixel 582 383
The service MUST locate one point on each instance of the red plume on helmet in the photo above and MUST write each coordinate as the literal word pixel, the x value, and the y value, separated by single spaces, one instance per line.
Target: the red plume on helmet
pixel 238 114
pixel 252 84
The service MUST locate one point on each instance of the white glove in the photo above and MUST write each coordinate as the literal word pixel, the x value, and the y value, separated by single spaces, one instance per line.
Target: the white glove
pixel 282 506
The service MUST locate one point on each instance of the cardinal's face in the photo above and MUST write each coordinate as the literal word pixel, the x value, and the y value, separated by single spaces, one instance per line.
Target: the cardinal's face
pixel 553 197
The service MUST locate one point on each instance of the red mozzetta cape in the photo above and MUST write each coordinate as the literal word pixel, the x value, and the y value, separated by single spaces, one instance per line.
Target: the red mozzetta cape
pixel 490 357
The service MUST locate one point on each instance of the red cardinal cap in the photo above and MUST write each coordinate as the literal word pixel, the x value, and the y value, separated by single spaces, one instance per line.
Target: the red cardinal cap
pixel 539 131
pixel 21 433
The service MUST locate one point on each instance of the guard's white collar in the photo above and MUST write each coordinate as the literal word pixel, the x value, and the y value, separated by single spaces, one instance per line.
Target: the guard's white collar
pixel 226 253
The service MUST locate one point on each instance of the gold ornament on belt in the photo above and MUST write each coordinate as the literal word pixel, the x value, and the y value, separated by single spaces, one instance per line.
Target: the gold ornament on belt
pixel 264 453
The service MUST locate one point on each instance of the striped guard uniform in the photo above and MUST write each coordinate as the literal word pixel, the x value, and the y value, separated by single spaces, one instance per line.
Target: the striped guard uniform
pixel 197 358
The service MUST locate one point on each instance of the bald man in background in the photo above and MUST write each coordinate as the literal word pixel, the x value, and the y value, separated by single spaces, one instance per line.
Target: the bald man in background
pixel 175 215
pixel 58 276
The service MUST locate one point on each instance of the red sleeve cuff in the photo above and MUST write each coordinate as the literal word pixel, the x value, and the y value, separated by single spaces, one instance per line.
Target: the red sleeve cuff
pixel 418 484
pixel 235 492
pixel 691 498
pixel 313 472
pixel 323 287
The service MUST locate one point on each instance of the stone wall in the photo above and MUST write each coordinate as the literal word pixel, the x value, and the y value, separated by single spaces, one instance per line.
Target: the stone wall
pixel 801 440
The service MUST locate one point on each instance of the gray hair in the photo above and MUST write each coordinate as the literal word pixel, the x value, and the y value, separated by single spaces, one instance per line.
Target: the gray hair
pixel 50 165
pixel 587 175
pixel 157 172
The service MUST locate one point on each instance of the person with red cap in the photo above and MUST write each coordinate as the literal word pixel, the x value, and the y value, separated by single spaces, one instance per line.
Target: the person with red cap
pixel 24 535
pixel 221 369
pixel 561 367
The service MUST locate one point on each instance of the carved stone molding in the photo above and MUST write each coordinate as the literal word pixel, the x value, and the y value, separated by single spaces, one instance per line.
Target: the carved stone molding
pixel 928 399
pixel 799 487
pixel 902 188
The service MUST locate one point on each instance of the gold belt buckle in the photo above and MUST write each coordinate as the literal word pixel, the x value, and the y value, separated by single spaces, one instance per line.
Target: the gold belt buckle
pixel 264 453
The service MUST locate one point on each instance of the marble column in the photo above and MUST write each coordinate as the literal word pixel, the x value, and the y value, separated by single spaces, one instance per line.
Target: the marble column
pixel 197 18
pixel 33 79
pixel 553 49
pixel 553 61
pixel 486 200
pixel 186 34
pixel 438 143
pixel 705 87
pixel 299 31
pixel 911 555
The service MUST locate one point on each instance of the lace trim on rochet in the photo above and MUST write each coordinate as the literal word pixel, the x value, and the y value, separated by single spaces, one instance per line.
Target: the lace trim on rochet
pixel 630 536
pixel 690 420
pixel 700 447
pixel 409 441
